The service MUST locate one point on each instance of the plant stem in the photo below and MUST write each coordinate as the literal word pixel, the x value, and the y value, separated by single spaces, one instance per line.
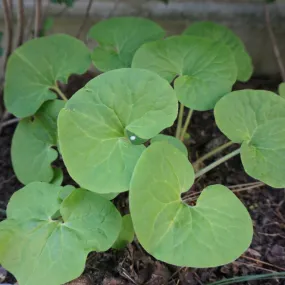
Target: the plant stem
pixel 217 163
pixel 179 123
pixel 186 124
pixel 38 18
pixel 211 153
pixel 60 94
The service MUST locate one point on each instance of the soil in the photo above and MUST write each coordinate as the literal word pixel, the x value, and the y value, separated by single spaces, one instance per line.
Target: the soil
pixel 133 265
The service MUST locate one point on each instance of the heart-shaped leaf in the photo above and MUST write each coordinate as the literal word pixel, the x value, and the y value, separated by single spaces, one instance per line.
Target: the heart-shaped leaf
pixel 214 232
pixel 36 66
pixel 206 69
pixel 31 151
pixel 222 34
pixel 94 124
pixel 281 90
pixel 171 140
pixel 256 119
pixel 126 234
pixel 119 38
pixel 46 241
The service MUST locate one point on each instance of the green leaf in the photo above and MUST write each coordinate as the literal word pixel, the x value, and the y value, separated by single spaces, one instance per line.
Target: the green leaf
pixel 65 192
pixel 214 232
pixel 134 139
pixel 57 176
pixel 31 151
pixel 223 35
pixel 68 3
pixel 119 38
pixel 36 66
pixel 47 26
pixel 206 70
pixel 171 140
pixel 49 250
pixel 92 126
pixel 126 235
pixel 256 119
pixel 281 89
pixel 109 196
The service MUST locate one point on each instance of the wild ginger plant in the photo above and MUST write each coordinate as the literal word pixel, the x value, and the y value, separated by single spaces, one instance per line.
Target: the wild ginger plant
pixel 110 137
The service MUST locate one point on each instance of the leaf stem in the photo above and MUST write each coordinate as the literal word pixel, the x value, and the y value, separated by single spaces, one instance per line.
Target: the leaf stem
pixel 211 153
pixel 58 91
pixel 217 163
pixel 179 123
pixel 186 124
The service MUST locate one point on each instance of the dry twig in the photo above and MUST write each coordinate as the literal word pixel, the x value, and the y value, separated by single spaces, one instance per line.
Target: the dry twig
pixel 21 22
pixel 274 42
pixel 262 262
pixel 8 29
pixel 38 18
pixel 87 13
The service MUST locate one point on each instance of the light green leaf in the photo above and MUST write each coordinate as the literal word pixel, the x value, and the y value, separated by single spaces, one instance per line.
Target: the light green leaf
pixel 109 196
pixel 206 69
pixel 36 66
pixel 57 176
pixel 31 151
pixel 281 90
pixel 214 232
pixel 222 34
pixel 92 127
pixel 171 140
pixel 119 38
pixel 51 241
pixel 65 192
pixel 256 119
pixel 126 234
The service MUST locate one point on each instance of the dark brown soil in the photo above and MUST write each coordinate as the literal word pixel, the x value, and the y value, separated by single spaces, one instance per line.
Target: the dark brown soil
pixel 133 265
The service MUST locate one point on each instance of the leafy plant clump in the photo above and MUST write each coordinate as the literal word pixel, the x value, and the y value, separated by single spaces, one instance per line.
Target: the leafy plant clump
pixel 110 137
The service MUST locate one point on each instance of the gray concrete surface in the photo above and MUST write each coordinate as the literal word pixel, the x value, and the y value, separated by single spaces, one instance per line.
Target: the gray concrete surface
pixel 246 18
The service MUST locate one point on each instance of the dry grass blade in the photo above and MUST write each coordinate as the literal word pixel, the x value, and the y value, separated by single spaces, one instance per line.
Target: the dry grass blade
pixel 262 262
pixel 249 278
pixel 194 196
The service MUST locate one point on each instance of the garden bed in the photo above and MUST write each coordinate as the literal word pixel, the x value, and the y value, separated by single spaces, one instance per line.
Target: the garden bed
pixel 133 265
